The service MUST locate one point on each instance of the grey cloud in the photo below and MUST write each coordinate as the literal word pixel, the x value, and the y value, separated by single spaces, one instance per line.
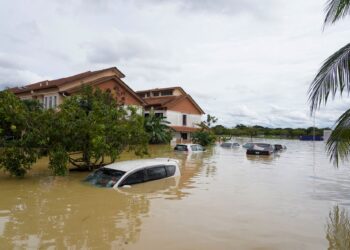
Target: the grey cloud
pixel 121 49
pixel 256 8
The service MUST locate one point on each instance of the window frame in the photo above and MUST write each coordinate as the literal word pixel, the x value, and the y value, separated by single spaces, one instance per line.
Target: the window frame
pixel 184 119
pixel 50 101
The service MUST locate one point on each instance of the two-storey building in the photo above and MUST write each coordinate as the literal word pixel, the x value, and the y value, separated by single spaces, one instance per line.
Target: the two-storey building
pixel 179 108
pixel 51 93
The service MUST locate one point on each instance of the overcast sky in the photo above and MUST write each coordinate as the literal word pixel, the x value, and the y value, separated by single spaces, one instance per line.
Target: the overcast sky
pixel 244 61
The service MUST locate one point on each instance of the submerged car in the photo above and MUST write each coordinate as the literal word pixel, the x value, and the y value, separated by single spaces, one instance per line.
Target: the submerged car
pixel 248 145
pixel 261 149
pixel 189 148
pixel 229 144
pixel 279 147
pixel 127 173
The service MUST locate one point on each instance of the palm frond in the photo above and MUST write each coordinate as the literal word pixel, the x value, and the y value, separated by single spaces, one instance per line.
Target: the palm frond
pixel 338 144
pixel 334 75
pixel 335 10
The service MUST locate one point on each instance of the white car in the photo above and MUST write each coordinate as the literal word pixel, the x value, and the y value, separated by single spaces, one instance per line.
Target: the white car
pixel 127 173
pixel 189 148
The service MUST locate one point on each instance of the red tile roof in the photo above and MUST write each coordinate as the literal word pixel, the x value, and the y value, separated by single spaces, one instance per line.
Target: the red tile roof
pixel 58 82
pixel 184 129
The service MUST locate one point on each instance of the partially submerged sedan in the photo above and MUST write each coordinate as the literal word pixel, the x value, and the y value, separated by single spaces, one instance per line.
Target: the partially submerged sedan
pixel 261 149
pixel 127 173
pixel 229 145
pixel 189 148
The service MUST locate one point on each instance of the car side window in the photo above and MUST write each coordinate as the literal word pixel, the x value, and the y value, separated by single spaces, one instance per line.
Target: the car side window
pixel 194 147
pixel 135 178
pixel 170 170
pixel 156 173
pixel 199 148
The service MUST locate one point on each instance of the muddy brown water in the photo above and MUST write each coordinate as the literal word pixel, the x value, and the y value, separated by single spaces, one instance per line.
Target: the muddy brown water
pixel 223 200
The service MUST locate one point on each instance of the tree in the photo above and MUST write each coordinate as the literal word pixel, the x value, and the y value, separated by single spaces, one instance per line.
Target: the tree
pixel 205 136
pixel 334 77
pixel 157 128
pixel 96 128
pixel 89 130
pixel 21 137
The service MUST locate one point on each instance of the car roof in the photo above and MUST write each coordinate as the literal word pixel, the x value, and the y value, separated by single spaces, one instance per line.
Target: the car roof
pixel 127 166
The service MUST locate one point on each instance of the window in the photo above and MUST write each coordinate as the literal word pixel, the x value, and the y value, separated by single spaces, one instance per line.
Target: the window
pixel 135 178
pixel 181 148
pixel 159 114
pixel 50 102
pixel 170 170
pixel 166 92
pixel 104 177
pixel 156 93
pixel 184 120
pixel 156 173
pixel 194 148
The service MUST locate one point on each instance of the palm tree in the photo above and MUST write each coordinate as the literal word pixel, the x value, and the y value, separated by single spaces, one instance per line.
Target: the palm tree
pixel 332 78
pixel 157 128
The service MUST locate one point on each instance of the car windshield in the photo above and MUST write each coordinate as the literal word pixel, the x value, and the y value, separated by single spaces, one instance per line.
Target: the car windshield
pixel 104 177
pixel 181 147
pixel 226 144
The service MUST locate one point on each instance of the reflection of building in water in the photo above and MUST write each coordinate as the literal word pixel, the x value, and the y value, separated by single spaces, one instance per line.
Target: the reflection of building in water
pixel 338 229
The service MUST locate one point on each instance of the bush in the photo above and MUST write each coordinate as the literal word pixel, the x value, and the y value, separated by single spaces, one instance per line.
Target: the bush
pixel 203 137
pixel 58 161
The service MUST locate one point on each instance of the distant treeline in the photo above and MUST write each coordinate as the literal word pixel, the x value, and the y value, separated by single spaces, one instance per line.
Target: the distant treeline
pixel 260 131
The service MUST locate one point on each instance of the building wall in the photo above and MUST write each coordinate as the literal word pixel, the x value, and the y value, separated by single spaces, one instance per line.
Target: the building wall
pixel 185 106
pixel 122 93
pixel 175 118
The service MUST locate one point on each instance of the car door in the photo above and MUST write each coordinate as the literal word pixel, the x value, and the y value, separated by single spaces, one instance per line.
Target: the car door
pixel 156 173
pixel 134 178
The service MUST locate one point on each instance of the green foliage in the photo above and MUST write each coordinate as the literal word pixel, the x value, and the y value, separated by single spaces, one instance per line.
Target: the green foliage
pixel 20 134
pixel 205 136
pixel 157 128
pixel 58 160
pixel 17 160
pixel 257 131
pixel 92 125
pixel 332 78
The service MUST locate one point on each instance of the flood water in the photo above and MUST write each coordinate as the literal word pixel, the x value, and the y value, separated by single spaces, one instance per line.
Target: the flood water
pixel 223 200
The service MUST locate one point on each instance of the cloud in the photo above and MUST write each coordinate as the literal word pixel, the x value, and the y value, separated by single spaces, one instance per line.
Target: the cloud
pixel 118 48
pixel 243 61
pixel 255 8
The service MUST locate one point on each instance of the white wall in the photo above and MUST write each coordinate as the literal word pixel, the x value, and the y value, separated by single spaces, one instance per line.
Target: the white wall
pixel 175 118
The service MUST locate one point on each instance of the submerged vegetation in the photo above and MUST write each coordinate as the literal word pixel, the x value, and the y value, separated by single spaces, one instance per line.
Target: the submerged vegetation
pixel 332 78
pixel 205 135
pixel 89 130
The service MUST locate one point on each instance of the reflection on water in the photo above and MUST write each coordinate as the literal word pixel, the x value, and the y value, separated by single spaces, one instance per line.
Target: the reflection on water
pixel 224 199
pixel 338 229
